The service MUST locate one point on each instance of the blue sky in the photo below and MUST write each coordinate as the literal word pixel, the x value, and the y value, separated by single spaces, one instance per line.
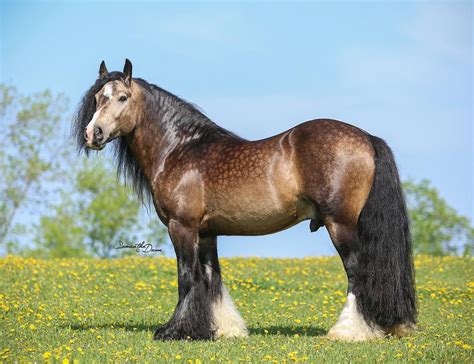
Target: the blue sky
pixel 400 70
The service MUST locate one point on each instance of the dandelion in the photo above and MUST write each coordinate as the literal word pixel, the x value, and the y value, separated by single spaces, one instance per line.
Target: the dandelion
pixel 300 288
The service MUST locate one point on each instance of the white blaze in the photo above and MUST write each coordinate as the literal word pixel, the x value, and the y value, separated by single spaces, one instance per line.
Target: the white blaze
pixel 90 126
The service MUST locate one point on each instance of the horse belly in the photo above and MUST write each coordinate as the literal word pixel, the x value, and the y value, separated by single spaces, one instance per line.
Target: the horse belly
pixel 257 217
pixel 257 191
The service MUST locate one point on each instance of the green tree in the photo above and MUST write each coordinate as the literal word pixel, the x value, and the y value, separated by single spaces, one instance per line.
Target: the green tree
pixel 32 142
pixel 59 236
pixel 92 220
pixel 45 199
pixel 436 227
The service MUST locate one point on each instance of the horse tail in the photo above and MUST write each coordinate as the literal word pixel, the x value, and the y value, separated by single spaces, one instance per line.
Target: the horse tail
pixel 384 277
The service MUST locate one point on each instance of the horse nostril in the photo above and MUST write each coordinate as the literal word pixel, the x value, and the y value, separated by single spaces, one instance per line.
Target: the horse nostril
pixel 85 134
pixel 98 134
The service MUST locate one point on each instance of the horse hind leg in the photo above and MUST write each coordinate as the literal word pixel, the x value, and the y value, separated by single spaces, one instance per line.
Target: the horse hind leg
pixel 380 298
pixel 368 222
pixel 351 324
pixel 226 320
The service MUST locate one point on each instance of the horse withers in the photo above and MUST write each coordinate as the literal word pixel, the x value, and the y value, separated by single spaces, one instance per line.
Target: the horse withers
pixel 205 181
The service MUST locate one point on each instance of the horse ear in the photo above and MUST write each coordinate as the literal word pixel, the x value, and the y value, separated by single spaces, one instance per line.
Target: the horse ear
pixel 103 70
pixel 127 70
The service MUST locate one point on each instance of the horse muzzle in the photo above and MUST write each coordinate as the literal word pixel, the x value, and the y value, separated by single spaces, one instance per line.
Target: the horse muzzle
pixel 95 138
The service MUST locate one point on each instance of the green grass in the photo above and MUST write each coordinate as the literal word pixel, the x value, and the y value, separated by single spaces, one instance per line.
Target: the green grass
pixel 106 310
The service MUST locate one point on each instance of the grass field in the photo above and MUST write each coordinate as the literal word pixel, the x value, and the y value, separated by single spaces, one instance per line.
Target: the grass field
pixel 107 310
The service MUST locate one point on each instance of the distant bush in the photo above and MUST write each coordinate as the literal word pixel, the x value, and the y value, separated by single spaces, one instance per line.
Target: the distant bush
pixel 437 228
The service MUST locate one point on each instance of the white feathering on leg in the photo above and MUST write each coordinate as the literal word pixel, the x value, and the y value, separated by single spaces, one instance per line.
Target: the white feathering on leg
pixel 351 325
pixel 227 319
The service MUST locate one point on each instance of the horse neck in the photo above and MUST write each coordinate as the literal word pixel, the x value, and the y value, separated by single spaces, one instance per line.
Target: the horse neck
pixel 161 130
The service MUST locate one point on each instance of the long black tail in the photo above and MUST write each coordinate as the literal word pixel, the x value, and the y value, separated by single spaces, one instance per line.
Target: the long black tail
pixel 384 277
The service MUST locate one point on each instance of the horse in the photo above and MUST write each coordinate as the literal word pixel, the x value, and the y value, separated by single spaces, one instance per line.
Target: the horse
pixel 205 181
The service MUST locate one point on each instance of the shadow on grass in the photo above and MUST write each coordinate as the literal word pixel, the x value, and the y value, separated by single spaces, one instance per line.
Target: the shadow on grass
pixel 269 330
pixel 288 330
pixel 113 326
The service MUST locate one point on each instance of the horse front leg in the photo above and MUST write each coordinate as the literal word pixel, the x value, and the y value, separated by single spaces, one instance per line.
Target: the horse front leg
pixel 192 318
pixel 226 319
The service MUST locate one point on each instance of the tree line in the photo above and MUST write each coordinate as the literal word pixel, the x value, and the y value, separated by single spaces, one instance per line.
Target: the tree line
pixel 57 204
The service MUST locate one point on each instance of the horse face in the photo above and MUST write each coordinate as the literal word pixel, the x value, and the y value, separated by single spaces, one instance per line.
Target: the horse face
pixel 116 108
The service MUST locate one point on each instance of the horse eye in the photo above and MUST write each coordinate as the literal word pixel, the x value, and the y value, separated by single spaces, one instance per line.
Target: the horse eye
pixel 123 98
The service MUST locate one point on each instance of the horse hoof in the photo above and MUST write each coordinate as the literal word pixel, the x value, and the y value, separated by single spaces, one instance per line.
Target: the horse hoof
pixel 354 331
pixel 163 333
pixel 168 332
pixel 164 336
pixel 401 330
pixel 348 335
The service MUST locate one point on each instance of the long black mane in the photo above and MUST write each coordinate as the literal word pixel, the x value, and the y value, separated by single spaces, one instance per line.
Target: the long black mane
pixel 187 116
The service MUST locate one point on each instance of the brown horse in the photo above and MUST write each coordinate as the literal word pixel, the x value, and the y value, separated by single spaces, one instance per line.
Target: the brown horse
pixel 205 181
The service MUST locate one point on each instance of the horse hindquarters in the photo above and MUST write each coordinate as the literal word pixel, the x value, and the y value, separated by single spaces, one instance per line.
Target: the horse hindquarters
pixel 377 257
